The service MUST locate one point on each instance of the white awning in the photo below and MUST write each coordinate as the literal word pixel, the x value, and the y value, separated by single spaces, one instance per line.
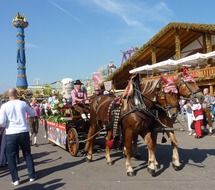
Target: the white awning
pixel 193 60
pixel 210 55
pixel 169 65
pixel 140 69
pixel 166 65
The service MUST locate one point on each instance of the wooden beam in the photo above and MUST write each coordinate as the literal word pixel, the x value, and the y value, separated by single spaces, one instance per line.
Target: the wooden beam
pixel 153 51
pixel 177 45
pixel 208 41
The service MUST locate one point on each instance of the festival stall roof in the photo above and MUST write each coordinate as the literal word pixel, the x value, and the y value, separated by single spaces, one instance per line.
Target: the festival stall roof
pixel 164 42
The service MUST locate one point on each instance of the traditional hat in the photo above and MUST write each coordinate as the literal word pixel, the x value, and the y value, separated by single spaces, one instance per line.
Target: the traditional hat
pixel 78 82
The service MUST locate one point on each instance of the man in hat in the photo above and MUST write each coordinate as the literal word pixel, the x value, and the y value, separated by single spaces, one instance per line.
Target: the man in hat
pixel 79 99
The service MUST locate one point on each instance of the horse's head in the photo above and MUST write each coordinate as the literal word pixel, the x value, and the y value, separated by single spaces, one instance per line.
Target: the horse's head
pixel 167 96
pixel 188 87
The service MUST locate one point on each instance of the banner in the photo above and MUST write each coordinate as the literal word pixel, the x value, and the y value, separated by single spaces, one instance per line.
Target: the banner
pixel 97 79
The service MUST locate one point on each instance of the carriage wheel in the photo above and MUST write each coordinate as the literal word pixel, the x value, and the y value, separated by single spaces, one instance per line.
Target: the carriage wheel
pixel 72 142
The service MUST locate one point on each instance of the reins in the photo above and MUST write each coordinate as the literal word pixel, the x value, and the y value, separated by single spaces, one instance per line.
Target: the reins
pixel 190 96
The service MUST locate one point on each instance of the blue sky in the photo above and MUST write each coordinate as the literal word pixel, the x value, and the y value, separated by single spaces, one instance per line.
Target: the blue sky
pixel 74 38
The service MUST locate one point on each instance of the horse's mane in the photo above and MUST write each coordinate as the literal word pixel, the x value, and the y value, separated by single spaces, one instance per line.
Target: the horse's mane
pixel 148 86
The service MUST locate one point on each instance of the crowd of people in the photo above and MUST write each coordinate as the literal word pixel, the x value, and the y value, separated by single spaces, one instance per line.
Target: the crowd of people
pixel 194 114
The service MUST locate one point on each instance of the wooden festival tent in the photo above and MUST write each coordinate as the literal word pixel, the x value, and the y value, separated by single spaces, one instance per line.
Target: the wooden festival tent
pixel 173 42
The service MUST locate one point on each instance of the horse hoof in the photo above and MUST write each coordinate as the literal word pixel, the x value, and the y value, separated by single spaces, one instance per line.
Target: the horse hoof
pixel 88 160
pixel 151 171
pixel 130 174
pixel 176 168
pixel 158 166
pixel 110 163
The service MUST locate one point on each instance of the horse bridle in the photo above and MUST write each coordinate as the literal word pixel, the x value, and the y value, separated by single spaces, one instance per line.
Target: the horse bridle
pixel 167 107
pixel 192 94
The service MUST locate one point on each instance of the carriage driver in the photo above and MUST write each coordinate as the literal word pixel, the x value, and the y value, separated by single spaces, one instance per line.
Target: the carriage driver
pixel 79 99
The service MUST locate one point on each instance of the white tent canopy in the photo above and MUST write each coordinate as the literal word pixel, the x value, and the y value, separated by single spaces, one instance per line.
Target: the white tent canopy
pixel 169 65
pixel 143 68
pixel 210 55
pixel 193 60
pixel 162 66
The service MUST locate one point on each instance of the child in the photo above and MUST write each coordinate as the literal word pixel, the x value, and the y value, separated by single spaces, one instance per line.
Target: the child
pixel 189 116
pixel 198 117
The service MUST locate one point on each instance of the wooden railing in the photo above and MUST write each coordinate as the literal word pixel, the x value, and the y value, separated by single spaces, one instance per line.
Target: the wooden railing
pixel 206 73
pixel 202 73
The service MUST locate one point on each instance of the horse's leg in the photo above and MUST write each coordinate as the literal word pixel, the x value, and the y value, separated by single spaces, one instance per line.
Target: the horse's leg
pixel 128 151
pixel 89 144
pixel 135 152
pixel 109 144
pixel 151 143
pixel 154 136
pixel 210 122
pixel 175 155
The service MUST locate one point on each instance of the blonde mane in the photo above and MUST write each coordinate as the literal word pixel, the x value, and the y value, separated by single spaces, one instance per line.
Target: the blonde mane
pixel 149 86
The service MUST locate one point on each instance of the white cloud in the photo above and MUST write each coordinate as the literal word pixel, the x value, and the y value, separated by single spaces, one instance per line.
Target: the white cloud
pixel 119 9
pixel 136 13
pixel 140 17
pixel 54 4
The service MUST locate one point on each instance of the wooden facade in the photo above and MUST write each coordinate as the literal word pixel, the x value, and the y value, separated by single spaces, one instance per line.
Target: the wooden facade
pixel 174 41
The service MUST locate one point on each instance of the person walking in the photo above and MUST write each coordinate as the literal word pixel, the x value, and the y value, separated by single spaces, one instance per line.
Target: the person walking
pixel 44 115
pixel 13 119
pixel 3 160
pixel 34 121
pixel 189 116
pixel 198 117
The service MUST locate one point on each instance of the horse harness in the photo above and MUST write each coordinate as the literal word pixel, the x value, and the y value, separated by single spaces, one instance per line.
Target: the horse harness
pixel 142 108
pixel 192 94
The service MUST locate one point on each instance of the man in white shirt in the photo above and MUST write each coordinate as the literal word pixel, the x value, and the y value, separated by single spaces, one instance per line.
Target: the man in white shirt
pixel 13 118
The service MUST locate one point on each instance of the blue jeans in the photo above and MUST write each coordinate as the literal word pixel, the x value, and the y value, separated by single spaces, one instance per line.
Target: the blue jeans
pixel 23 141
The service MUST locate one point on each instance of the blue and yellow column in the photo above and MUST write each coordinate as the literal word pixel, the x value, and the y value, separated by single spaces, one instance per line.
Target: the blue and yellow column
pixel 20 23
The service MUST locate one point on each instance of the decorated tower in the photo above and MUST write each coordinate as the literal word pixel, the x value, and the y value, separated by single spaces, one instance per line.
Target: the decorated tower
pixel 20 23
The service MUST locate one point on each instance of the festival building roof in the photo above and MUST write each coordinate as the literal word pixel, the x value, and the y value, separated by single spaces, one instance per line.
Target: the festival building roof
pixel 165 46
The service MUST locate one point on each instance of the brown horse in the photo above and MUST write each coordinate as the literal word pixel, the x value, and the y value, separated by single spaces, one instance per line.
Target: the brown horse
pixel 139 116
pixel 99 118
pixel 145 123
pixel 186 88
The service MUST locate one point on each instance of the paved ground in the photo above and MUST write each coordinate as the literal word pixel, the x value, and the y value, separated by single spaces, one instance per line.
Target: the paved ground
pixel 56 169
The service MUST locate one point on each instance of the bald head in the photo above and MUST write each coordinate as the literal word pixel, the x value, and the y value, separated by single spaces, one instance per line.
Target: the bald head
pixel 12 93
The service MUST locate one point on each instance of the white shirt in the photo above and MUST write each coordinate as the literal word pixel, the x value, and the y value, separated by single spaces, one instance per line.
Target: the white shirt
pixel 13 116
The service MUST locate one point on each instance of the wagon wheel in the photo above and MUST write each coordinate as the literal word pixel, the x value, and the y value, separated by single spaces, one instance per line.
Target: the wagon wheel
pixel 72 142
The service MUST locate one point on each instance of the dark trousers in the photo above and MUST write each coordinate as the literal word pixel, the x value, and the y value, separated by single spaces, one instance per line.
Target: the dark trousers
pixel 23 141
pixel 34 125
pixel 82 108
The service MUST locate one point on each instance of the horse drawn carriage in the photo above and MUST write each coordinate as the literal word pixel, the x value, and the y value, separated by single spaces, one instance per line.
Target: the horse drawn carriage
pixel 67 127
pixel 68 133
pixel 148 106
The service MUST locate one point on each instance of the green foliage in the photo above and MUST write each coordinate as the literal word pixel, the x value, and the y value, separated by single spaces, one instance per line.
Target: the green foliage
pixel 47 90
pixel 56 118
